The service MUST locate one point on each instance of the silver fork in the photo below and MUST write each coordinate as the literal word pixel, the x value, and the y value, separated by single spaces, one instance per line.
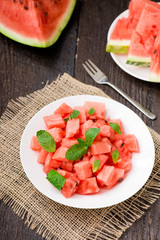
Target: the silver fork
pixel 99 77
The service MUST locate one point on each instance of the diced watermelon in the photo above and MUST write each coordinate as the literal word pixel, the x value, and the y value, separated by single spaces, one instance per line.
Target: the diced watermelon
pixel 117 121
pixel 82 115
pixel 88 186
pixel 100 148
pixel 72 127
pixel 60 153
pixel 46 169
pixel 63 109
pixel 67 166
pixel 42 156
pixel 99 108
pixel 103 159
pixel 125 165
pixel 54 120
pixel 105 131
pixel 85 126
pixel 99 122
pixel 65 174
pixel 50 162
pixel 34 145
pixel 83 170
pixel 105 176
pixel 69 187
pixel 131 143
pixel 57 134
pixel 85 158
pixel 117 177
pixel 69 142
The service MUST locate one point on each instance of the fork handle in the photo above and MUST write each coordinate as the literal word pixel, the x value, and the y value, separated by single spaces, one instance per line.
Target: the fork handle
pixel 132 101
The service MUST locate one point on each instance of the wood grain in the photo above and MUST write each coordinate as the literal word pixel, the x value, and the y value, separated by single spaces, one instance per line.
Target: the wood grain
pixel 25 69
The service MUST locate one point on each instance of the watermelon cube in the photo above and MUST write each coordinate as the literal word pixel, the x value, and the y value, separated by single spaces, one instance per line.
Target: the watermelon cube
pixel 57 134
pixel 60 153
pixel 88 186
pixel 103 159
pixel 69 188
pixel 82 115
pixel 42 156
pixel 85 126
pixel 85 158
pixel 99 108
pixel 118 176
pixel 119 122
pixel 46 169
pixel 65 174
pixel 63 109
pixel 54 120
pixel 105 131
pixel 99 123
pixel 131 143
pixel 83 170
pixel 104 177
pixel 51 162
pixel 100 148
pixel 69 142
pixel 72 127
pixel 34 145
pixel 125 165
pixel 67 166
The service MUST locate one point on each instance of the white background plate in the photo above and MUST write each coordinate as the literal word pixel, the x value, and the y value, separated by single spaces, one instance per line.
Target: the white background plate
pixel 135 71
pixel 136 178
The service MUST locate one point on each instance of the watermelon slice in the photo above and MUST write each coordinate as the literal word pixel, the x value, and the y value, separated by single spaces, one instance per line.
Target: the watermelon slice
pixel 143 38
pixel 35 23
pixel 155 61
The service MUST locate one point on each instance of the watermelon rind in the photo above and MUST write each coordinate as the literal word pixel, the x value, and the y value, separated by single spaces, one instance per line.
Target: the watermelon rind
pixel 153 77
pixel 35 42
pixel 138 61
pixel 118 46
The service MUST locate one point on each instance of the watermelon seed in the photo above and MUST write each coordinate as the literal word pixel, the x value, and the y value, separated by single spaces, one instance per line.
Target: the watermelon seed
pixel 26 7
pixel 105 120
pixel 21 2
pixel 14 0
pixel 120 180
pixel 155 51
pixel 35 4
pixel 122 144
pixel 94 120
pixel 76 183
pixel 45 14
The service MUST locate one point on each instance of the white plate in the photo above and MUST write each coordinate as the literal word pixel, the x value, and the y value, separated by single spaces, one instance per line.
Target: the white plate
pixel 136 178
pixel 135 71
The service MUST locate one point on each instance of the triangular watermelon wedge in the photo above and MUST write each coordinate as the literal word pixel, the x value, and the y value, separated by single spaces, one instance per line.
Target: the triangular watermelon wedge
pixel 35 23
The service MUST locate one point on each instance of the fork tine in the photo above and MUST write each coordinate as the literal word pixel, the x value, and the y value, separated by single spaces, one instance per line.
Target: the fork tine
pixel 90 67
pixel 94 66
pixel 88 70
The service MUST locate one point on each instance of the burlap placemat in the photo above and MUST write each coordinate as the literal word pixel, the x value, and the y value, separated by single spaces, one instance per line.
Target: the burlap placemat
pixel 53 220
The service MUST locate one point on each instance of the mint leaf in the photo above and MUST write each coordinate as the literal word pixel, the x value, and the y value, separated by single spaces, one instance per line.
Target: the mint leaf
pixel 74 114
pixel 56 179
pixel 46 141
pixel 115 127
pixel 91 111
pixel 96 165
pixel 76 151
pixel 81 141
pixel 115 156
pixel 90 135
pixel 66 119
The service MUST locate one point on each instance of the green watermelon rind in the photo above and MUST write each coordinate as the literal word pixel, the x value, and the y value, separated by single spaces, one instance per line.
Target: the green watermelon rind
pixel 138 61
pixel 154 77
pixel 35 42
pixel 118 46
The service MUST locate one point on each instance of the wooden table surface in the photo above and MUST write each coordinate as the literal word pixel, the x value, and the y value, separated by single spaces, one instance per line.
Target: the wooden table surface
pixel 24 69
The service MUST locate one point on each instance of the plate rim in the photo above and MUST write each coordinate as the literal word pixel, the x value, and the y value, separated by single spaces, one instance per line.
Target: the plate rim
pixel 67 203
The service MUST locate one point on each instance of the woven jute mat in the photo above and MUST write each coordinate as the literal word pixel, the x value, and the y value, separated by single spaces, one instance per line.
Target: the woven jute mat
pixel 53 220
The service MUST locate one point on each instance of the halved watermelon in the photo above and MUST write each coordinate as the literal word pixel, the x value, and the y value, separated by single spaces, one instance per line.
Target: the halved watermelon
pixel 155 61
pixel 143 38
pixel 35 23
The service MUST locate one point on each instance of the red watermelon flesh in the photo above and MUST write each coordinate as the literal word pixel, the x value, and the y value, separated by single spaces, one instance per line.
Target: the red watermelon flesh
pixel 34 145
pixel 155 61
pixel 88 186
pixel 35 23
pixel 143 38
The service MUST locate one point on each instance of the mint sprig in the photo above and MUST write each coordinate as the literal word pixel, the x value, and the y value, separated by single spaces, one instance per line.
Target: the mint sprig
pixel 115 127
pixel 56 179
pixel 96 165
pixel 91 111
pixel 90 135
pixel 74 114
pixel 115 156
pixel 46 141
pixel 78 150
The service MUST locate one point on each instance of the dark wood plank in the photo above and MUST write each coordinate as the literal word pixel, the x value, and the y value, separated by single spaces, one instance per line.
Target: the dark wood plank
pixel 91 44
